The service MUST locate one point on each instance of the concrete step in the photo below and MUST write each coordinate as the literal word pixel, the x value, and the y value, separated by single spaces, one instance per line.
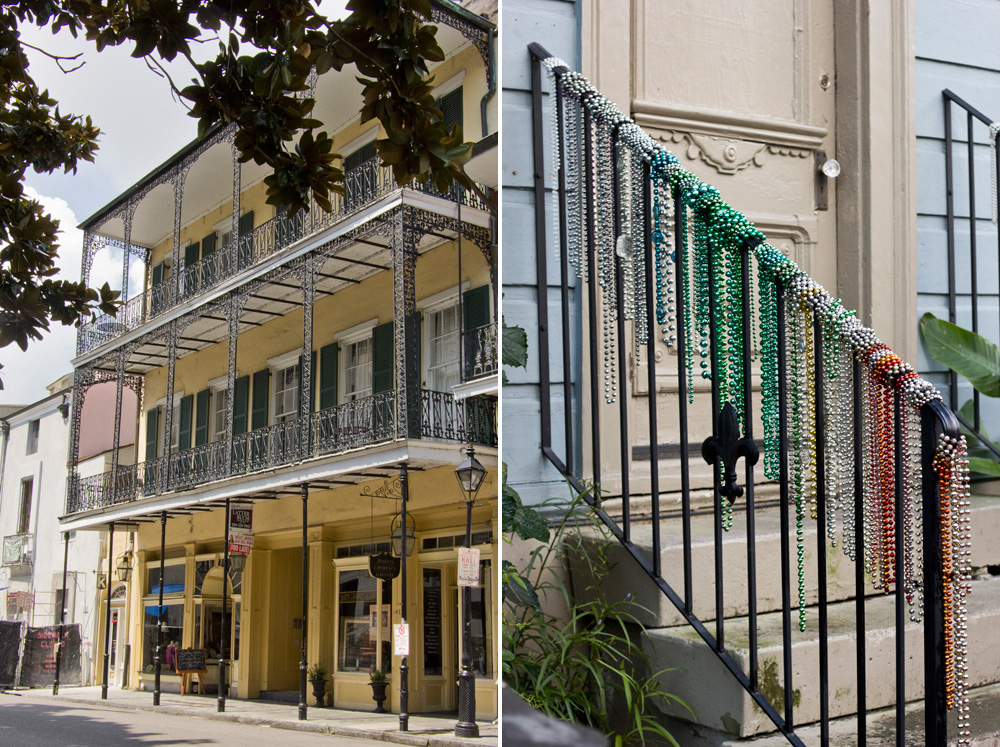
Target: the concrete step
pixel 984 703
pixel 720 703
pixel 658 611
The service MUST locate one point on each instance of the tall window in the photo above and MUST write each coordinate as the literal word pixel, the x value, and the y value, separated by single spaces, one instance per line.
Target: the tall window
pixel 442 341
pixel 24 515
pixel 286 393
pixel 220 406
pixel 175 426
pixel 358 369
pixel 33 428
pixel 364 607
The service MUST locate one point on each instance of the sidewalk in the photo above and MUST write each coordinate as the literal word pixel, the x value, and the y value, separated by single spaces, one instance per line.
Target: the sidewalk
pixel 425 731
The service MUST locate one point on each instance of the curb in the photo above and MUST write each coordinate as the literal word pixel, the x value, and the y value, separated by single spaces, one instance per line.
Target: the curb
pixel 412 739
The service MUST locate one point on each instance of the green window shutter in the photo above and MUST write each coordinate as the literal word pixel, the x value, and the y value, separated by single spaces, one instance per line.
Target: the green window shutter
pixel 418 322
pixel 191 253
pixel 358 157
pixel 184 432
pixel 476 307
pixel 246 223
pixel 208 245
pixel 241 404
pixel 261 392
pixel 202 416
pixel 329 370
pixel 156 276
pixel 152 432
pixel 451 108
pixel 382 358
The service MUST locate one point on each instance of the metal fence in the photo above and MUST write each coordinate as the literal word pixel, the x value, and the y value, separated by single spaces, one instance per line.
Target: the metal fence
pixel 850 432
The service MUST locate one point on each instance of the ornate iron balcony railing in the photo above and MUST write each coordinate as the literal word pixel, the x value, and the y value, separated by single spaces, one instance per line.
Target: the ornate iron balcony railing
pixel 677 280
pixel 352 425
pixel 363 186
pixel 480 352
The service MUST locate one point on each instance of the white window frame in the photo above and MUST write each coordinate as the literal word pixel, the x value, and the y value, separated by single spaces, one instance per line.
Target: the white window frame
pixel 452 84
pixel 346 338
pixel 360 142
pixel 431 305
pixel 217 385
pixel 221 229
pixel 161 441
pixel 277 364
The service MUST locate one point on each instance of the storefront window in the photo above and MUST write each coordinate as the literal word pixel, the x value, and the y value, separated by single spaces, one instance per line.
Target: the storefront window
pixel 482 660
pixel 173 632
pixel 173 578
pixel 201 569
pixel 433 661
pixel 364 619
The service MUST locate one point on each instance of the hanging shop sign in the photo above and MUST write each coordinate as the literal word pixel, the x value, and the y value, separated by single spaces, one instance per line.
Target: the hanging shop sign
pixel 383 566
pixel 468 566
pixel 401 639
pixel 241 519
pixel 240 543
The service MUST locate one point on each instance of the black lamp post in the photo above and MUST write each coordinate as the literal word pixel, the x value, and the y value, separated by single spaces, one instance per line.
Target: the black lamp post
pixel 470 475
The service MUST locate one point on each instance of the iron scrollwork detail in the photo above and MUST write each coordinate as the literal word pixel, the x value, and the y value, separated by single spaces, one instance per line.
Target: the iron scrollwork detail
pixel 726 448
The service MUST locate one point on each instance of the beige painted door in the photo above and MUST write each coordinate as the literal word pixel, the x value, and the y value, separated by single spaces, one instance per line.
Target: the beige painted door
pixel 284 634
pixel 742 92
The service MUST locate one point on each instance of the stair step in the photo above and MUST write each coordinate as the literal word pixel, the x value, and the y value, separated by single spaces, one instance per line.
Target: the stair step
pixel 658 611
pixel 984 703
pixel 719 702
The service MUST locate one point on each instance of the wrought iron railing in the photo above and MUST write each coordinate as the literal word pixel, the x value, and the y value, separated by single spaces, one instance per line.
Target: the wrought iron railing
pixel 352 425
pixel 964 288
pixel 849 429
pixel 479 352
pixel 363 186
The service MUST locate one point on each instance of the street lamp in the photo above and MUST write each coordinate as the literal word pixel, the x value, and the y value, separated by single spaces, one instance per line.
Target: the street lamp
pixel 124 569
pixel 470 474
pixel 237 562
pixel 396 530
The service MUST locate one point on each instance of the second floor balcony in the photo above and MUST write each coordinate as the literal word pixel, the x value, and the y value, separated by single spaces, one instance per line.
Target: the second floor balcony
pixel 368 421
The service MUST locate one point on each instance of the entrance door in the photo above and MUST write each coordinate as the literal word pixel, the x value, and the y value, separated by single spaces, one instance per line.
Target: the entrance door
pixel 481 628
pixel 117 645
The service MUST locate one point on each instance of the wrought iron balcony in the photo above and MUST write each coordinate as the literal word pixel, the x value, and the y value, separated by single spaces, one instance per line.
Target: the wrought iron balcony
pixel 480 352
pixel 363 422
pixel 18 549
pixel 363 186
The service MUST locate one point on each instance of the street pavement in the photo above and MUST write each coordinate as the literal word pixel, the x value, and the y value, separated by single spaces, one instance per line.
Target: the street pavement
pixel 29 721
pixel 77 717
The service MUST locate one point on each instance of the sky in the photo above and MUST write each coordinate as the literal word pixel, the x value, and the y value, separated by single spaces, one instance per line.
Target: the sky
pixel 142 125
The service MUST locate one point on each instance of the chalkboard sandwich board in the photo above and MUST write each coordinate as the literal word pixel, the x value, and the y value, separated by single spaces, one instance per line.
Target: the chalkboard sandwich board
pixel 191 661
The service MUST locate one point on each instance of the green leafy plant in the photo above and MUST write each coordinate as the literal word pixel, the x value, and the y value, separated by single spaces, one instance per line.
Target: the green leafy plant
pixel 317 672
pixel 589 665
pixel 378 675
pixel 977 360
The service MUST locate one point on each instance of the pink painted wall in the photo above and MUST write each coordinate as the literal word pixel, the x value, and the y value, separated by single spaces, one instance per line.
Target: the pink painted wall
pixel 97 431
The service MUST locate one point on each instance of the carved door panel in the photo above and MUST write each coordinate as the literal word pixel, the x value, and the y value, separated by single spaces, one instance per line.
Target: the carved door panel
pixel 742 92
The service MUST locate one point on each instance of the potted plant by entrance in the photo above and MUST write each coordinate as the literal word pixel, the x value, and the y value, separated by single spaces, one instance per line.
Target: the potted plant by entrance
pixel 317 676
pixel 379 682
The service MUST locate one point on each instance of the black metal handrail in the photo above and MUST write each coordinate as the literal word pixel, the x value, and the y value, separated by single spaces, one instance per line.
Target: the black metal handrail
pixel 366 421
pixel 787 290
pixel 973 116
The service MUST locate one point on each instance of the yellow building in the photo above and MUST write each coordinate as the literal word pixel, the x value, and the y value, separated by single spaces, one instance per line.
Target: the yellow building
pixel 321 371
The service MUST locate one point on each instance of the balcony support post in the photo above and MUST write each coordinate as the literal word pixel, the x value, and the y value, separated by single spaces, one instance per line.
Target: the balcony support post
pixel 404 669
pixel 127 217
pixel 80 379
pixel 168 416
pixel 107 610
pixel 62 614
pixel 158 657
pixel 120 359
pixel 403 239
pixel 233 317
pixel 224 632
pixel 461 300
pixel 180 175
pixel 234 232
pixel 306 373
pixel 303 663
